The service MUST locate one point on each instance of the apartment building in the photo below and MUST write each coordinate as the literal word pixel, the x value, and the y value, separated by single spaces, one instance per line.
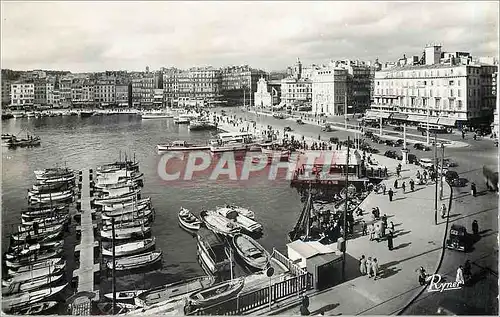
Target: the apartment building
pixel 329 90
pixel 239 82
pixel 22 94
pixel 296 89
pixel 446 89
pixel 122 94
pixel 104 92
pixel 6 92
pixel 65 95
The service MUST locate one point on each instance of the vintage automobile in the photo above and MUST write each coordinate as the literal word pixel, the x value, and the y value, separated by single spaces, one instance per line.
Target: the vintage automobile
pixel 458 238
pixel 299 121
pixel 426 163
pixel 327 128
pixel 288 129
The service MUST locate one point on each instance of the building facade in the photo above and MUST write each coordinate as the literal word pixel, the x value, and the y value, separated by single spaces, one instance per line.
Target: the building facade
pixel 262 97
pixel 22 94
pixel 329 87
pixel 447 90
pixel 104 92
pixel 122 94
pixel 6 92
pixel 296 89
pixel 239 82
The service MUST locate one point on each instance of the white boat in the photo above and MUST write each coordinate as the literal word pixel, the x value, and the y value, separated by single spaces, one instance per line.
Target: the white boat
pixel 31 285
pixel 128 216
pixel 28 249
pixel 215 294
pixel 121 205
pixel 245 223
pixel 188 221
pixel 229 147
pixel 196 125
pixel 18 114
pixel 132 223
pixel 241 210
pixel 126 233
pixel 166 292
pixel 29 298
pixel 33 267
pixel 33 274
pixel 34 193
pixel 185 118
pixel 34 309
pixel 130 248
pixel 251 251
pixel 239 137
pixel 125 295
pixel 53 173
pixel 181 146
pixel 58 179
pixel 211 251
pixel 156 115
pixel 131 195
pixel 52 198
pixel 218 223
pixel 33 258
pixel 40 234
pixel 135 261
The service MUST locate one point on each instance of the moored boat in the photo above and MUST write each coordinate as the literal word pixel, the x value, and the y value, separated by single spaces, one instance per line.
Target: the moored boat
pixel 130 248
pixel 242 211
pixel 251 251
pixel 33 259
pixel 135 261
pixel 40 265
pixel 211 251
pixel 34 309
pixel 126 233
pixel 169 291
pixel 31 285
pixel 218 223
pixel 245 223
pixel 29 298
pixel 125 295
pixel 181 146
pixel 188 221
pixel 214 294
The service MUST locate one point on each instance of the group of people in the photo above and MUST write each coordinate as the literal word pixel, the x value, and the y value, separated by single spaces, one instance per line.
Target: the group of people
pixel 369 267
pixel 379 229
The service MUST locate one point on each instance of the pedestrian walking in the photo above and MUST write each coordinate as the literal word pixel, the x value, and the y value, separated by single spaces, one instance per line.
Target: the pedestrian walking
pixel 421 276
pixel 475 227
pixel 391 193
pixel 390 241
pixel 384 188
pixel 391 227
pixel 404 187
pixel 363 227
pixel 443 211
pixel 383 226
pixel 473 189
pixel 396 184
pixel 467 270
pixel 362 265
pixel 371 230
pixel 412 185
pixel 369 267
pixel 460 275
pixel 418 174
pixel 375 268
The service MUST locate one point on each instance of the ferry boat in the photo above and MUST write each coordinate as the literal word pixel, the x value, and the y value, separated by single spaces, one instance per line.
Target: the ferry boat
pixel 156 115
pixel 212 252
pixel 198 125
pixel 185 118
pixel 240 137
pixel 229 147
pixel 182 146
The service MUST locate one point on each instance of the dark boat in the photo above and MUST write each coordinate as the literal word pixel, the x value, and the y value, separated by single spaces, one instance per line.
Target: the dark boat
pixel 215 294
pixel 251 252
pixel 35 309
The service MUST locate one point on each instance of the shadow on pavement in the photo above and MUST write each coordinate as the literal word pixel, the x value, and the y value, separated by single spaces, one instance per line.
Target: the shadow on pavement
pixel 325 309
pixel 473 214
pixel 454 215
pixel 384 273
pixel 400 233
pixel 401 246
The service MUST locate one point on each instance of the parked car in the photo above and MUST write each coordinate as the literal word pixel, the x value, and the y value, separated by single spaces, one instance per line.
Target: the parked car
pixel 389 142
pixel 458 239
pixel 299 121
pixel 390 154
pixel 398 128
pixel 327 128
pixel 369 134
pixel 426 163
pixel 451 176
pixel 412 159
pixel 421 146
pixel 288 129
pixel 278 116
pixel 399 142
pixel 449 163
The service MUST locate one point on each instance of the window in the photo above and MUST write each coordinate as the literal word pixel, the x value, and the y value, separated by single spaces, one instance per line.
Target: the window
pixel 451 92
pixel 458 93
pixel 438 102
pixel 458 82
pixel 451 83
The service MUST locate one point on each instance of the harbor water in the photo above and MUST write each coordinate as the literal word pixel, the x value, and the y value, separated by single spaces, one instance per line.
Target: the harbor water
pixel 81 143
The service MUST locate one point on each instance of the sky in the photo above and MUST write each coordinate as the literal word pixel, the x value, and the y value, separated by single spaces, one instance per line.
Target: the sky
pixel 115 35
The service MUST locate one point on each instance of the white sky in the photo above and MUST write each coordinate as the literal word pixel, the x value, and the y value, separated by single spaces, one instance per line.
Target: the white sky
pixel 97 36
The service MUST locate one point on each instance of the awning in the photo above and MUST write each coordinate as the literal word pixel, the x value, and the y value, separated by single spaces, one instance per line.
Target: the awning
pixel 447 121
pixel 432 120
pixel 377 114
pixel 399 116
pixel 416 118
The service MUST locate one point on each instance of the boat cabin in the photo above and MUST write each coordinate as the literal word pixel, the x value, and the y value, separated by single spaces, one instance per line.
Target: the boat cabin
pixel 240 137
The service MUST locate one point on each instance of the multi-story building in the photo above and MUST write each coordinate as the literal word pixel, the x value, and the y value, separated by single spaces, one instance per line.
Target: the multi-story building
pixel 262 97
pixel 329 90
pixel 296 89
pixel 445 90
pixel 122 94
pixel 40 86
pixel 239 82
pixel 6 92
pixel 171 84
pixel 205 83
pixel 22 94
pixel 52 93
pixel 358 85
pixel 275 91
pixel 104 92
pixel 147 90
pixel 65 95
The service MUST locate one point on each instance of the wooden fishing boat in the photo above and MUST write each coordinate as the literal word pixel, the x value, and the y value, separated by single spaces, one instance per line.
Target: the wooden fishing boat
pixel 36 266
pixel 188 221
pixel 33 259
pixel 53 173
pixel 140 208
pixel 242 211
pixel 30 285
pixel 37 239
pixel 25 233
pixel 169 291
pixel 211 252
pixel 45 221
pixel 30 249
pixel 126 233
pixel 215 294
pixel 128 217
pixel 245 223
pixel 44 212
pixel 29 298
pixel 33 274
pixel 135 261
pixel 44 188
pixel 130 248
pixel 251 251
pixel 32 193
pixel 125 295
pixel 218 223
pixel 59 179
pixel 117 199
pixel 129 165
pixel 34 309
pixel 121 205
pixel 128 224
pixel 41 246
pixel 66 196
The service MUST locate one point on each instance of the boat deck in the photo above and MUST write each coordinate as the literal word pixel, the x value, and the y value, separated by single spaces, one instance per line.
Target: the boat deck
pixel 86 272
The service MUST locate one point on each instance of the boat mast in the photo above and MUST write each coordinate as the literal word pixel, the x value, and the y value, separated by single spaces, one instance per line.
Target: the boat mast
pixel 113 283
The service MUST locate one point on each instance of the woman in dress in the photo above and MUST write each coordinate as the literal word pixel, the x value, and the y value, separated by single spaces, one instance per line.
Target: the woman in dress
pixel 362 265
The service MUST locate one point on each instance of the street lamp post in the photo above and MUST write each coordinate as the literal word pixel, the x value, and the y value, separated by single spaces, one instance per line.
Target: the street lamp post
pixel 428 135
pixel 436 187
pixel 345 110
pixel 441 175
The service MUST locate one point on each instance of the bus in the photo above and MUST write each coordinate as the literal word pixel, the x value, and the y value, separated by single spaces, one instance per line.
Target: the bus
pixel 433 128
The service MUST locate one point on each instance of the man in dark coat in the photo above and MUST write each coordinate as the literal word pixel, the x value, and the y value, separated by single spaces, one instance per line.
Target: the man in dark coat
pixel 396 184
pixel 473 189
pixel 475 227
pixel 391 193
pixel 389 241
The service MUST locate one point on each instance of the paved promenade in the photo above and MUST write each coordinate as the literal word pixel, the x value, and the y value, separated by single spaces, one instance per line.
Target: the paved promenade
pixel 417 242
